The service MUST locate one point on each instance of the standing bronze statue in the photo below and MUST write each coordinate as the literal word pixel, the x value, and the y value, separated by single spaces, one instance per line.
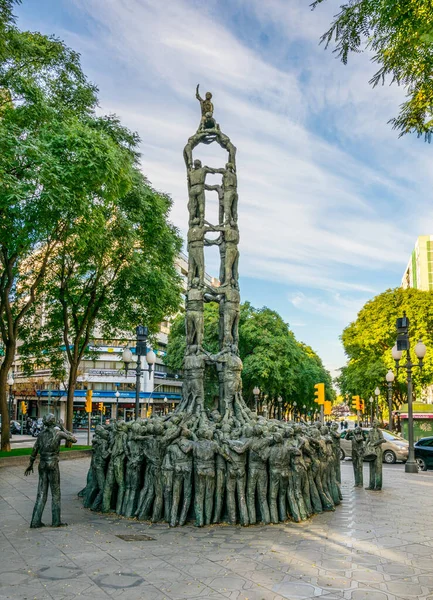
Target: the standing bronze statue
pixel 358 456
pixel 374 448
pixel 47 445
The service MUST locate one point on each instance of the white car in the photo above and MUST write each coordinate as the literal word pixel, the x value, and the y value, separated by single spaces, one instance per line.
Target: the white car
pixel 395 448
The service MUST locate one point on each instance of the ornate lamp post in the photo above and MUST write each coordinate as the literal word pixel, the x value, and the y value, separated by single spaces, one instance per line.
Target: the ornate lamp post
pixel 165 405
pixel 140 350
pixel 294 410
pixel 10 382
pixel 371 400
pixel 389 379
pixel 401 346
pixel 376 405
pixel 256 392
pixel 304 411
pixel 117 394
pixel 280 402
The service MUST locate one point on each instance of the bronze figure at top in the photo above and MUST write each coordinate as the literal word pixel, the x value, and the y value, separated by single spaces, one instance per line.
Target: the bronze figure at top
pixel 207 121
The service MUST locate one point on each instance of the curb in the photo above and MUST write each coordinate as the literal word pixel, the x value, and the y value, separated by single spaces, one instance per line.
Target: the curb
pixel 16 461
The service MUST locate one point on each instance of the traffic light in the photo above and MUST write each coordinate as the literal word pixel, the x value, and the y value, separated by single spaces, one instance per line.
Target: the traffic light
pixel 361 405
pixel 100 406
pixel 88 406
pixel 104 409
pixel 327 408
pixel 319 393
pixel 23 408
pixel 356 403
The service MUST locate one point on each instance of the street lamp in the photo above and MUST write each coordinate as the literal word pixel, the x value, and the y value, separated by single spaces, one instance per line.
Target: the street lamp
pixel 256 392
pixel 403 345
pixel 140 350
pixel 165 405
pixel 10 382
pixel 117 394
pixel 376 406
pixel 294 410
pixel 304 410
pixel 389 379
pixel 280 402
pixel 371 400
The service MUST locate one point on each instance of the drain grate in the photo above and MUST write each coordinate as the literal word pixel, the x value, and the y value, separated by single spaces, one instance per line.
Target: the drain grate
pixel 132 537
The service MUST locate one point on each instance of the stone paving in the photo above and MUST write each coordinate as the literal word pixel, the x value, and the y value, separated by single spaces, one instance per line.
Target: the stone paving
pixel 376 546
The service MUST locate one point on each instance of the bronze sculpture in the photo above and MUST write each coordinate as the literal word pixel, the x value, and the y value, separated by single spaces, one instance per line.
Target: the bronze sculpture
pixel 374 447
pixel 225 463
pixel 47 445
pixel 358 456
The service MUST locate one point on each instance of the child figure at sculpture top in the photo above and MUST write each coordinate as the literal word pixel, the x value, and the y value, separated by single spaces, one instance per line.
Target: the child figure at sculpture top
pixel 225 461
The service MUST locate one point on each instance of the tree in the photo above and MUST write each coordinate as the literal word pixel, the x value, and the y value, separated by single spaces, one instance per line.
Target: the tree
pixel 368 341
pixel 44 170
pixel 272 358
pixel 400 36
pixel 114 270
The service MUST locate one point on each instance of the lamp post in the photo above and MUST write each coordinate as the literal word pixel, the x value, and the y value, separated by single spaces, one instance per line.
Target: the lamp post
pixel 280 402
pixel 304 410
pixel 403 345
pixel 376 405
pixel 165 405
pixel 371 400
pixel 10 382
pixel 117 394
pixel 389 379
pixel 140 350
pixel 294 410
pixel 256 392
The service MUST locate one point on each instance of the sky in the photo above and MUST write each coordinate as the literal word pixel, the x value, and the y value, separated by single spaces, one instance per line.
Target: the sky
pixel 331 201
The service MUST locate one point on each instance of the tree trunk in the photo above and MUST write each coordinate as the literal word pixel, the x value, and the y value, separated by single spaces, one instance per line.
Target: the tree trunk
pixel 4 409
pixel 73 370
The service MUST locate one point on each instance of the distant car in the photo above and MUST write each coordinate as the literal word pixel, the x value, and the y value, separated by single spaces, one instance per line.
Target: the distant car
pixel 395 447
pixel 424 453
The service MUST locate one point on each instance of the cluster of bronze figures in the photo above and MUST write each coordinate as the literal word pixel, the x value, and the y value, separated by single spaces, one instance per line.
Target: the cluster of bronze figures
pixel 225 464
pixel 264 471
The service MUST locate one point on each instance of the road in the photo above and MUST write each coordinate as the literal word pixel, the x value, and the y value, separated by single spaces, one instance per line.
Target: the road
pixel 27 441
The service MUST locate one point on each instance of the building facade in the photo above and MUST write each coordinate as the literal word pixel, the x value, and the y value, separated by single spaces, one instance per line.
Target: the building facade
pixel 419 271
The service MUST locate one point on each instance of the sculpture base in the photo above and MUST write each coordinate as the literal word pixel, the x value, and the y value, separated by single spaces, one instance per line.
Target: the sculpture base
pixel 216 468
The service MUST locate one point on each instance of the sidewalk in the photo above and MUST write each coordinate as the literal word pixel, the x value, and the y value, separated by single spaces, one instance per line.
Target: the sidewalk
pixel 376 546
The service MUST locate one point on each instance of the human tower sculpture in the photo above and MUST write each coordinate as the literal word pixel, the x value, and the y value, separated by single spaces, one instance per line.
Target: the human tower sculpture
pixel 226 463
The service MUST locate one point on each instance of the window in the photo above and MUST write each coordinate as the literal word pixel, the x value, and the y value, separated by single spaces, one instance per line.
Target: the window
pixel 425 442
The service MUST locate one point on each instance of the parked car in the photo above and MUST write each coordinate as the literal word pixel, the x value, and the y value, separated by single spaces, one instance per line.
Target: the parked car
pixel 424 453
pixel 395 447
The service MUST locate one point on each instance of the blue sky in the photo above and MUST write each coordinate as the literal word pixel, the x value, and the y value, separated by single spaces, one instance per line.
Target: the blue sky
pixel 330 200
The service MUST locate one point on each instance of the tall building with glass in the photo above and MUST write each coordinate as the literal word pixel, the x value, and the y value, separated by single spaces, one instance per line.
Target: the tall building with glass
pixel 419 271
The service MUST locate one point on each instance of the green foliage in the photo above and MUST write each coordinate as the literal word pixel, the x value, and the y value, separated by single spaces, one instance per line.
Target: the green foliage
pixel 368 342
pixel 399 34
pixel 272 358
